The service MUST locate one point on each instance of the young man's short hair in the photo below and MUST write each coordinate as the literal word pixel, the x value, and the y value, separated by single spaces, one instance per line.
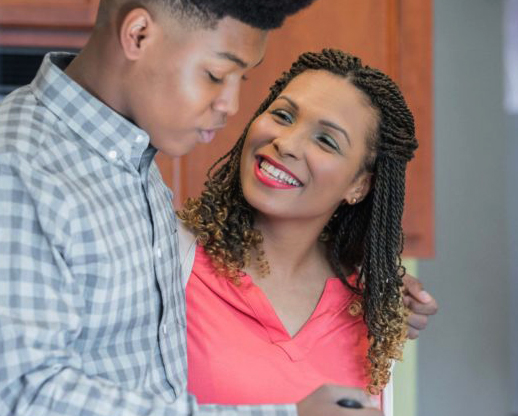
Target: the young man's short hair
pixel 260 14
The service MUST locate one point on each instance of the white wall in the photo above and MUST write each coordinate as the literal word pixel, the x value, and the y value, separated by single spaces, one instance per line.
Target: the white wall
pixel 511 95
pixel 464 356
pixel 512 215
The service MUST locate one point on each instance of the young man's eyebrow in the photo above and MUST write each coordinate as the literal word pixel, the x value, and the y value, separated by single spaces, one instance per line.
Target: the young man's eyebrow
pixel 231 57
pixel 236 59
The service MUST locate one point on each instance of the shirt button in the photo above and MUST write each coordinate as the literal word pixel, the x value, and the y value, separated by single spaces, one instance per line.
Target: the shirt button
pixel 112 154
pixel 159 253
pixel 139 138
pixel 164 329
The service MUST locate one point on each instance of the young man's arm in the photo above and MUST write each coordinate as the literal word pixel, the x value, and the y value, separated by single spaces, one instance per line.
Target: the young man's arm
pixel 41 309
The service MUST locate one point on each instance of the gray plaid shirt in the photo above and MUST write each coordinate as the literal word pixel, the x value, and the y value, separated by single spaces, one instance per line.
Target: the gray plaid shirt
pixel 92 307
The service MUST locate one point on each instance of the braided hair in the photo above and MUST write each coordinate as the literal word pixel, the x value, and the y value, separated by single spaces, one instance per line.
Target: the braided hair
pixel 366 236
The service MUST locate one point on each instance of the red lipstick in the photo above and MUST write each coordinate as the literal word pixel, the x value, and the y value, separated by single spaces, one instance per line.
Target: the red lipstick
pixel 267 179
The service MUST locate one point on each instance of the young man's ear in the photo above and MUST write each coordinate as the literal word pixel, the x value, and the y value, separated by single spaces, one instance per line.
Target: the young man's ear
pixel 135 32
pixel 360 189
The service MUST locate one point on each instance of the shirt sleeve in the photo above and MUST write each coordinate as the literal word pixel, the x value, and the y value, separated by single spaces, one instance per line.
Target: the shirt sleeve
pixel 41 309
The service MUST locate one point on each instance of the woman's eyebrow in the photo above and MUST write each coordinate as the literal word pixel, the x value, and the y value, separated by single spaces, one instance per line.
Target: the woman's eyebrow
pixel 290 101
pixel 336 127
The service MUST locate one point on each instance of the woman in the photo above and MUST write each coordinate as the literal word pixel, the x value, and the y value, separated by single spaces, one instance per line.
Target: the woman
pixel 297 278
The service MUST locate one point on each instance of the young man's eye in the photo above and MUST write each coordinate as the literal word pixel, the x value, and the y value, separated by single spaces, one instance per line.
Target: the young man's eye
pixel 214 78
pixel 283 115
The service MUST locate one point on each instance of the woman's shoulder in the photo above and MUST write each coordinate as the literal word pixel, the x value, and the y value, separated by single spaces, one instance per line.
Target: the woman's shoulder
pixel 186 250
pixel 186 237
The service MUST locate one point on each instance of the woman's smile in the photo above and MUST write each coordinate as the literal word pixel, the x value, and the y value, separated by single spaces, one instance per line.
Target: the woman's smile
pixel 275 175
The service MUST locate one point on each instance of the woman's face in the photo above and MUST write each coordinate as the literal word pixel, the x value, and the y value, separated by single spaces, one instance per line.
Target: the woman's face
pixel 302 156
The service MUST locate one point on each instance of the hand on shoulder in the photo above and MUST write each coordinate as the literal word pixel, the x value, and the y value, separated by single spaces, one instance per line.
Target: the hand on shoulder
pixel 421 305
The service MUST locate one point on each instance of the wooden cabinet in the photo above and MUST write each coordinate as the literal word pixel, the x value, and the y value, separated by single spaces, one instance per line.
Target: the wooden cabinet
pixel 393 35
pixel 46 23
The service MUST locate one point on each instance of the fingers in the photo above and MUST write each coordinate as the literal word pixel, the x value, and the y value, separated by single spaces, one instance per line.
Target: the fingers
pixel 323 402
pixel 418 318
pixel 338 392
pixel 421 305
pixel 412 285
pixel 415 324
pixel 367 412
pixel 364 412
pixel 414 288
pixel 412 333
pixel 420 308
pixel 417 321
pixel 416 299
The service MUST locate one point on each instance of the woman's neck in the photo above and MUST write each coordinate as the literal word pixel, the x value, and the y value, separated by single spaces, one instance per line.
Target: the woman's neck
pixel 298 269
pixel 292 248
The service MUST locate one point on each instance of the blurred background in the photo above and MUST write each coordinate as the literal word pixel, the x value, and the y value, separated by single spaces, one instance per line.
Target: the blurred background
pixel 457 64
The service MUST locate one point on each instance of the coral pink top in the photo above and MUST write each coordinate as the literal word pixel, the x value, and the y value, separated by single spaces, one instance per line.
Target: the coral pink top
pixel 240 353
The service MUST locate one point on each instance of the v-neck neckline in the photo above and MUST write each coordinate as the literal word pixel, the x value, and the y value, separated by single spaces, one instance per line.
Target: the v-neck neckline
pixel 333 300
pixel 327 316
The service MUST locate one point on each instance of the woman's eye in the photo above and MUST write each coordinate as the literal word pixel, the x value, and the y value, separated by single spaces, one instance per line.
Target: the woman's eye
pixel 214 78
pixel 328 141
pixel 283 115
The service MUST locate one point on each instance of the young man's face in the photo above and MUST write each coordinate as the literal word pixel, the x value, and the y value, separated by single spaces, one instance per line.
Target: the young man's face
pixel 189 81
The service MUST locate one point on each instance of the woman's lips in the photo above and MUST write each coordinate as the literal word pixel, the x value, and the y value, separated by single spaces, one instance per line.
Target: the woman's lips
pixel 273 176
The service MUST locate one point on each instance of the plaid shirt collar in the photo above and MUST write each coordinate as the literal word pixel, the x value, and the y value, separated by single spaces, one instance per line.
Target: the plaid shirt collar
pixel 110 134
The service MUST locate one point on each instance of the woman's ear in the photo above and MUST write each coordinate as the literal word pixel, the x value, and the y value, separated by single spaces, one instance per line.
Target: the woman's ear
pixel 359 189
pixel 135 33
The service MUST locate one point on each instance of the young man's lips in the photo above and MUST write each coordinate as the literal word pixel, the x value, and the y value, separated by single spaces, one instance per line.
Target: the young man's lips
pixel 206 136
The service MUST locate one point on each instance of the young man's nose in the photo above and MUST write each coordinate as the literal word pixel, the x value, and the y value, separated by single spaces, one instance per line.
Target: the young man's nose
pixel 228 101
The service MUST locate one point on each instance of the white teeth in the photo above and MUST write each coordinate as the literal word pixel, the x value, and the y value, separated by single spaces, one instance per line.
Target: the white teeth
pixel 277 174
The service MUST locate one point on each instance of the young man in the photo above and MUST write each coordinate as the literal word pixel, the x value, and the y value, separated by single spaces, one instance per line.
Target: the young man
pixel 92 309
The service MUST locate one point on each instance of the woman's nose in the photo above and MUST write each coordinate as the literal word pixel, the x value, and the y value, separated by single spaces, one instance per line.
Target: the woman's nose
pixel 288 144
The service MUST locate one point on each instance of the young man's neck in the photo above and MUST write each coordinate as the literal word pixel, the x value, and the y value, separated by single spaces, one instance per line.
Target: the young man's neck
pixel 98 69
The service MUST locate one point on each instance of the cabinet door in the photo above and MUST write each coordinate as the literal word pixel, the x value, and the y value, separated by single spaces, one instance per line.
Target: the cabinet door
pixel 49 13
pixel 52 23
pixel 393 35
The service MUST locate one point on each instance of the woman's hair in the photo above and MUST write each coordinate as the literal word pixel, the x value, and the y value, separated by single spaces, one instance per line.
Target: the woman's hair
pixel 366 236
